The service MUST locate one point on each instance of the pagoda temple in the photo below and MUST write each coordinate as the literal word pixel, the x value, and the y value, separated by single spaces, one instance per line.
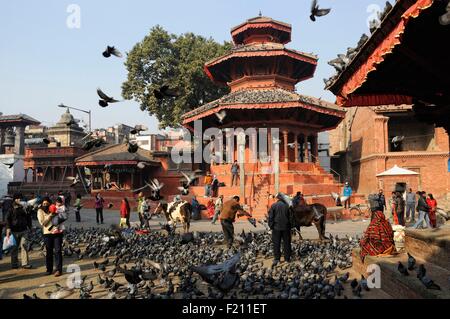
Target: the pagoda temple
pixel 262 73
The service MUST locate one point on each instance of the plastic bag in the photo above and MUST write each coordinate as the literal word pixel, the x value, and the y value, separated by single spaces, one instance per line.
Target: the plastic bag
pixel 9 243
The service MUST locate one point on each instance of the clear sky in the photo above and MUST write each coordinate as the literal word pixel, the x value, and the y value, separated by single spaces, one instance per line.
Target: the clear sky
pixel 44 63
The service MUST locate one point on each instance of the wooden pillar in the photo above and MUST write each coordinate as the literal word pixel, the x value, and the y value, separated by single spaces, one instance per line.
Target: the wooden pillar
pixel 53 174
pixel 285 144
pixel 316 148
pixel 253 145
pixel 229 135
pixel 306 149
pixel 19 146
pixel 276 164
pixel 241 159
pixel 296 147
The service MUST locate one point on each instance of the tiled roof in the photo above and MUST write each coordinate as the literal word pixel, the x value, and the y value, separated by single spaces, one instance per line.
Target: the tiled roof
pixel 117 152
pixel 261 20
pixel 267 47
pixel 274 95
pixel 19 117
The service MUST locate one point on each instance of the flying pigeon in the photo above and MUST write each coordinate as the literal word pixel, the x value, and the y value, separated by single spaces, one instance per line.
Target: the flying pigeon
pixel 338 199
pixel 164 91
pixel 396 140
pixel 221 115
pixel 112 51
pixel 222 276
pixel 190 179
pixel 138 128
pixel 87 136
pixel 105 99
pixel 155 185
pixel 10 165
pixel 316 12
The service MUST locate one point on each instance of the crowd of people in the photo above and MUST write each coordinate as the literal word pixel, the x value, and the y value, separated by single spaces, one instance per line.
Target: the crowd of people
pixel 404 206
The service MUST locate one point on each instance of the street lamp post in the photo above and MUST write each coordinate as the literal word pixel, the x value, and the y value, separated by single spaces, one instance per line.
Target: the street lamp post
pixel 84 111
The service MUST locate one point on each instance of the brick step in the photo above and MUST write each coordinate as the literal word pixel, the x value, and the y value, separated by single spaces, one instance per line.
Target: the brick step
pixel 260 167
pixel 307 189
pixel 405 287
pixel 432 245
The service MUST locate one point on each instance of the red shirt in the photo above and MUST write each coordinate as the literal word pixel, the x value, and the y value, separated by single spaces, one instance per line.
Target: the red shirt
pixel 124 210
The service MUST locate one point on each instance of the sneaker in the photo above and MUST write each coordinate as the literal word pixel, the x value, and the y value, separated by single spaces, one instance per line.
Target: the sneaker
pixel 48 273
pixel 58 274
pixel 27 267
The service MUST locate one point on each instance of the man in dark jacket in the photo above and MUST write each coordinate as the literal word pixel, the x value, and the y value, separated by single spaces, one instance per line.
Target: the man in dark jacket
pixel 381 200
pixel 281 221
pixel 18 223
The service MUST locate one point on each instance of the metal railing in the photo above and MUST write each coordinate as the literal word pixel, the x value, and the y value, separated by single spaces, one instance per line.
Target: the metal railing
pixel 316 159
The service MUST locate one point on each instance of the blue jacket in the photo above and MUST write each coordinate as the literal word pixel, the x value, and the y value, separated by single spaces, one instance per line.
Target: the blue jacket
pixel 347 191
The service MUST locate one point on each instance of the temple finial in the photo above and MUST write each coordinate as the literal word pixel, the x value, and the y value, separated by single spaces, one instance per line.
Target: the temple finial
pixel 260 14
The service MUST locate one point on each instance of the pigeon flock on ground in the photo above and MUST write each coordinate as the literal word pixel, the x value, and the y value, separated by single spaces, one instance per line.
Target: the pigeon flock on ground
pixel 163 265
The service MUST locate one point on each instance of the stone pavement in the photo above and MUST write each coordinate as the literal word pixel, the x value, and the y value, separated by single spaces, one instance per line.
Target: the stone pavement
pixel 14 283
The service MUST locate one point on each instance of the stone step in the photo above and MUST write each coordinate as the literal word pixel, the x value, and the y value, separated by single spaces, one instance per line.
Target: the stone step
pixel 405 287
pixel 430 244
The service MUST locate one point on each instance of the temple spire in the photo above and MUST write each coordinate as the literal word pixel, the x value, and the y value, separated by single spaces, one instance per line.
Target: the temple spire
pixel 260 14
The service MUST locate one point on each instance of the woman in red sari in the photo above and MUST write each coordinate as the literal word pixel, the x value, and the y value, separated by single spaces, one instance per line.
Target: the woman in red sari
pixel 210 209
pixel 432 203
pixel 378 239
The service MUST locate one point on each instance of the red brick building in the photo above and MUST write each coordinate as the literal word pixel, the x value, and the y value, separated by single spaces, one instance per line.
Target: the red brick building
pixel 361 147
pixel 402 64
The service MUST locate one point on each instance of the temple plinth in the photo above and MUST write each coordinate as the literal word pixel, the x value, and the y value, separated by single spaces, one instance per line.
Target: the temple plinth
pixel 262 73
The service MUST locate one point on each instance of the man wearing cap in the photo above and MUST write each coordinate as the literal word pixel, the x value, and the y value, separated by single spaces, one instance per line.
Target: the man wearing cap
pixel 281 221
